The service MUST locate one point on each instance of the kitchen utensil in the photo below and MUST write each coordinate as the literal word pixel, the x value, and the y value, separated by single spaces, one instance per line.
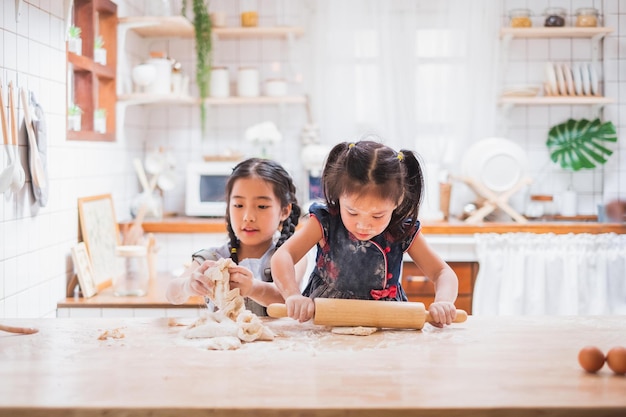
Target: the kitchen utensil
pixel 21 330
pixel 551 78
pixel 6 176
pixel 560 79
pixel 569 80
pixel 593 80
pixel 586 78
pixel 19 176
pixel 36 166
pixel 141 174
pixel 578 81
pixel 372 313
pixel 38 117
pixel 496 162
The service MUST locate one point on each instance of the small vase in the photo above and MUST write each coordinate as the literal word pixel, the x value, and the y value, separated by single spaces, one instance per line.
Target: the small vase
pixel 100 124
pixel 100 56
pixel 75 45
pixel 74 122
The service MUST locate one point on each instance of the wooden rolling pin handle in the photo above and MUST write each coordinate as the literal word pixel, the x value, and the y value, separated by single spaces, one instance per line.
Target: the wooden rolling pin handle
pixel 278 310
pixel 22 330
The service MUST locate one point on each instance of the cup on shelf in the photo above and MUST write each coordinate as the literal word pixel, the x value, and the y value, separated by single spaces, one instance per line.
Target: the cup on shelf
pixel 220 82
pixel 248 82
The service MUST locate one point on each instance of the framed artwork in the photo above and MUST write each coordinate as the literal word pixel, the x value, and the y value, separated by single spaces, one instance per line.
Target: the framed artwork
pixel 100 233
pixel 84 270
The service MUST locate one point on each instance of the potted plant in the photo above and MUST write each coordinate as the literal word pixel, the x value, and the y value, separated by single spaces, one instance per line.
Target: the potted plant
pixel 579 144
pixel 99 53
pixel 202 27
pixel 74 114
pixel 74 41
pixel 100 120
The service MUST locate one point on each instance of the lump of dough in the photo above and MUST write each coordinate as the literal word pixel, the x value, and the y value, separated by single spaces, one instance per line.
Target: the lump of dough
pixel 355 331
pixel 213 329
pixel 224 343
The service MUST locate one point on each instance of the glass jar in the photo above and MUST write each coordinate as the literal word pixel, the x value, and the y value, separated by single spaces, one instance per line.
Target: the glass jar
pixel 133 276
pixel 520 18
pixel 555 17
pixel 587 17
pixel 541 206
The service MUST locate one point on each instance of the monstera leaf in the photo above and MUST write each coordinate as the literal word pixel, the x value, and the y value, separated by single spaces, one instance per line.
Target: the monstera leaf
pixel 578 144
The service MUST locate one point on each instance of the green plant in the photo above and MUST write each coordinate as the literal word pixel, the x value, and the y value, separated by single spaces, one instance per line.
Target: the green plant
pixel 74 110
pixel 202 27
pixel 577 144
pixel 100 113
pixel 98 43
pixel 74 32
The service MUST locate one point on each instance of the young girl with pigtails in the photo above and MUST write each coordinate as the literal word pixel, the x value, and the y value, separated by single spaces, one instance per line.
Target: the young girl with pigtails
pixel 362 231
pixel 262 213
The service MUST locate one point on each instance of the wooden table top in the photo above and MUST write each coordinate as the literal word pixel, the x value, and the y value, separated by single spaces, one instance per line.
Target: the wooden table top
pixel 487 366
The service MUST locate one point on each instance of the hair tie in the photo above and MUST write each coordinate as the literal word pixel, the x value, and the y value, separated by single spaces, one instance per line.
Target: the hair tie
pixel 233 250
pixel 400 156
pixel 351 145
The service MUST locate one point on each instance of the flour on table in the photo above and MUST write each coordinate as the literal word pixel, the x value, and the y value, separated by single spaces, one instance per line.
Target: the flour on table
pixel 232 320
pixel 356 331
pixel 224 343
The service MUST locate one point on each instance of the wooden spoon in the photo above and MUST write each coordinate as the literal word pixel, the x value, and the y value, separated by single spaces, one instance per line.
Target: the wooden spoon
pixel 21 330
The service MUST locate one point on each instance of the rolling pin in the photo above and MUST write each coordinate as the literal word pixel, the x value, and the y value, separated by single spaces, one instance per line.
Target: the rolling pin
pixel 21 330
pixel 370 313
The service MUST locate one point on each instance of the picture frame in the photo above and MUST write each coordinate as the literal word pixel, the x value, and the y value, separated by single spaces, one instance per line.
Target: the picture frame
pixel 84 270
pixel 100 233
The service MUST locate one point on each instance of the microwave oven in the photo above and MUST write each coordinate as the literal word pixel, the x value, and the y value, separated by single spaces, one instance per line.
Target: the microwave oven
pixel 205 191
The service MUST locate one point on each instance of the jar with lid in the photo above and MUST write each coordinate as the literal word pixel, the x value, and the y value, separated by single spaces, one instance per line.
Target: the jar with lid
pixel 520 18
pixel 555 17
pixel 132 278
pixel 587 17
pixel 540 206
pixel 249 15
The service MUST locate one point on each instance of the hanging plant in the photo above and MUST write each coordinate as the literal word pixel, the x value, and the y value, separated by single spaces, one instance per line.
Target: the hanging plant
pixel 202 27
pixel 578 144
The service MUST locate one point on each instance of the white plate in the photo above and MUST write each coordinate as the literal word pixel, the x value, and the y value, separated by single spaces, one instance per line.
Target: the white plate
pixel 584 74
pixel 569 80
pixel 593 78
pixel 578 81
pixel 497 163
pixel 551 79
pixel 560 78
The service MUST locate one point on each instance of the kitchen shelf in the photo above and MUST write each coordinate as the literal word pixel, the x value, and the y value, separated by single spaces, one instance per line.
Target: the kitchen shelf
pixel 556 100
pixel 557 32
pixel 181 27
pixel 139 98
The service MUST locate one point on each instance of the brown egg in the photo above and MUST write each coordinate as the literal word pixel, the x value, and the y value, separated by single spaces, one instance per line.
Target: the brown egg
pixel 591 359
pixel 616 359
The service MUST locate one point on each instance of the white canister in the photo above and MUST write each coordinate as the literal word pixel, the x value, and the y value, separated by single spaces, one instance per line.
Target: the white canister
pixel 162 83
pixel 569 203
pixel 248 82
pixel 275 87
pixel 220 82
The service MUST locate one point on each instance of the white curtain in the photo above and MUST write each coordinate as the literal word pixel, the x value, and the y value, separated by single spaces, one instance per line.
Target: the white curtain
pixel 548 274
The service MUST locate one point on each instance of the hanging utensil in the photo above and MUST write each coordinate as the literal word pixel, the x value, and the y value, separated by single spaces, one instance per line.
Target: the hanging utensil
pixel 19 176
pixel 37 172
pixel 6 176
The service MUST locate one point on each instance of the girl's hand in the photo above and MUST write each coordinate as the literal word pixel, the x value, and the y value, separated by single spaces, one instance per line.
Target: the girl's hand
pixel 442 313
pixel 300 308
pixel 199 284
pixel 242 278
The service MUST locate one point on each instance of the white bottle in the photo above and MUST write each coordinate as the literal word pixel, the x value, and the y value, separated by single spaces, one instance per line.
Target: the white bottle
pixel 248 82
pixel 220 82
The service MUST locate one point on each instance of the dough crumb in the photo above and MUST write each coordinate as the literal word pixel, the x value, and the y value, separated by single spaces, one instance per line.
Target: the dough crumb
pixel 355 331
pixel 224 343
pixel 111 334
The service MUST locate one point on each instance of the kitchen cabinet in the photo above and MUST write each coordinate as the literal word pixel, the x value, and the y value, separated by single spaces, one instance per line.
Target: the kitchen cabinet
pixel 419 288
pixel 181 27
pixel 93 86
pixel 595 36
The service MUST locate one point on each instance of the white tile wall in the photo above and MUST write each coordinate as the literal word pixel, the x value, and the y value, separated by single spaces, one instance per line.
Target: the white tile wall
pixel 35 241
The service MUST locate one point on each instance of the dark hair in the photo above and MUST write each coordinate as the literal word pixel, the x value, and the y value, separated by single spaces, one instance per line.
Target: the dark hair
pixel 283 187
pixel 366 167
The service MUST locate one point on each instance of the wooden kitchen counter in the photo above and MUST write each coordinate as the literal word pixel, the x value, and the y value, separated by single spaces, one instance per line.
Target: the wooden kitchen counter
pixel 487 366
pixel 218 225
pixel 155 298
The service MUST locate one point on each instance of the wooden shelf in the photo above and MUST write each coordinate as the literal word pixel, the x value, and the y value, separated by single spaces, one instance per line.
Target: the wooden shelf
pixel 555 32
pixel 139 99
pixel 557 100
pixel 90 136
pixel 181 27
